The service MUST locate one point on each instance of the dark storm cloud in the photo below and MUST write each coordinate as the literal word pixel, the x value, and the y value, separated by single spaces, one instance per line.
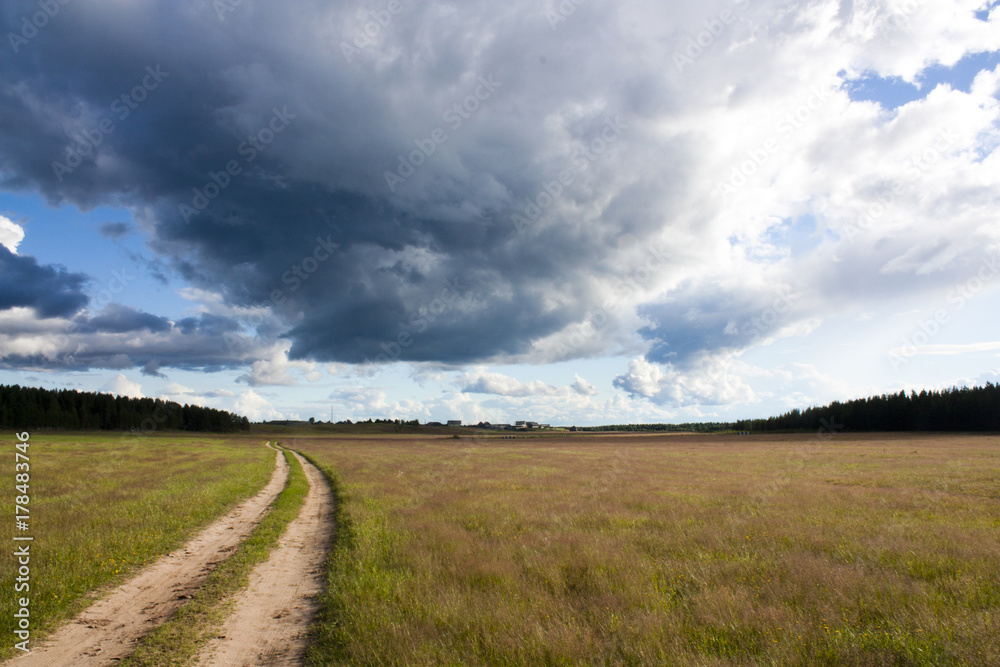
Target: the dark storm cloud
pixel 82 345
pixel 51 290
pixel 115 230
pixel 117 337
pixel 708 317
pixel 121 319
pixel 261 157
pixel 699 319
pixel 152 369
pixel 208 325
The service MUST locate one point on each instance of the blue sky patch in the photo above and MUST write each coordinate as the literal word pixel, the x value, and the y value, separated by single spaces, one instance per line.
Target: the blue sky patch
pixel 984 13
pixel 67 236
pixel 893 92
pixel 798 235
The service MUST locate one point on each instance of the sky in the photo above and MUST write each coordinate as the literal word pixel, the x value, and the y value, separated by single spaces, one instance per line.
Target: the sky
pixel 574 212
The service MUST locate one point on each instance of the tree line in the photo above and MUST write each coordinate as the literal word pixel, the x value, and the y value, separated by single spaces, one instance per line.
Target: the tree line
pixel 31 408
pixel 700 427
pixel 955 409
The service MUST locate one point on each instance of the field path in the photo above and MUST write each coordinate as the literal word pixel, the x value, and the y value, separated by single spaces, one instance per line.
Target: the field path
pixel 271 617
pixel 109 629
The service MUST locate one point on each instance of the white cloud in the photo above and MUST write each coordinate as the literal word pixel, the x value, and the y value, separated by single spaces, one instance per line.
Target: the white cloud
pixel 256 407
pixel 485 382
pixel 181 394
pixel 58 342
pixel 260 318
pixel 643 379
pixel 122 386
pixel 582 387
pixel 990 376
pixel 796 385
pixel 276 370
pixel 709 382
pixel 11 234
pixel 360 403
pixel 175 389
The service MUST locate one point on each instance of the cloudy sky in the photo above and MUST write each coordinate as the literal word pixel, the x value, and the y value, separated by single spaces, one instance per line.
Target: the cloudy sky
pixel 573 211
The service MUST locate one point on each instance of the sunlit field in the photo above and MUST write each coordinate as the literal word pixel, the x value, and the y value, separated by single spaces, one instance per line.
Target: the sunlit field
pixel 104 505
pixel 639 550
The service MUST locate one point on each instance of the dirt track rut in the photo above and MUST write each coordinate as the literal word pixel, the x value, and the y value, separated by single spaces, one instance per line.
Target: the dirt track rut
pixel 271 617
pixel 110 628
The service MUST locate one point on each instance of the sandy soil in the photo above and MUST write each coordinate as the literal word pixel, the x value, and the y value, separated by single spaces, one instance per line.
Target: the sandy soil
pixel 270 619
pixel 110 628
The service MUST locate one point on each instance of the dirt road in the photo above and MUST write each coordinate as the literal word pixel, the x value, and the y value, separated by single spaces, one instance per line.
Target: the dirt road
pixel 110 628
pixel 269 623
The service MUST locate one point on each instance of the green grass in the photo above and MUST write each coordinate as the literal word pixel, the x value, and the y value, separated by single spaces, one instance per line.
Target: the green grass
pixel 103 506
pixel 177 641
pixel 325 641
pixel 677 550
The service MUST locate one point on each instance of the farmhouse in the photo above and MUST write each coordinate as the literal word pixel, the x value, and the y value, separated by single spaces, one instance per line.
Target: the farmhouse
pixel 530 425
pixel 493 427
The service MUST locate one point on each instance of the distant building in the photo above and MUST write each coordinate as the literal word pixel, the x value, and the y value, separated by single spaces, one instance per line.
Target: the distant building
pixel 454 422
pixel 530 425
pixel 492 427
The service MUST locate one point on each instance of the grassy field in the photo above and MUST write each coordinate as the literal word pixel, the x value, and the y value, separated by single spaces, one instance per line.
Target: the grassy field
pixel 104 505
pixel 688 550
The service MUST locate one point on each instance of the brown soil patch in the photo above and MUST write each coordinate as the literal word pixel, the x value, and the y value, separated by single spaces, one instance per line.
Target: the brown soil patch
pixel 270 620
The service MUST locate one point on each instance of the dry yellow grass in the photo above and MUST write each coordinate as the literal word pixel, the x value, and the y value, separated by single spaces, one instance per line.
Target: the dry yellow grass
pixel 689 550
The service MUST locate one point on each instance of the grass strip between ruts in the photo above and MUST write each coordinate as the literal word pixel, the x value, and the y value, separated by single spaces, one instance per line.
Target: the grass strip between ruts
pixel 325 647
pixel 178 641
